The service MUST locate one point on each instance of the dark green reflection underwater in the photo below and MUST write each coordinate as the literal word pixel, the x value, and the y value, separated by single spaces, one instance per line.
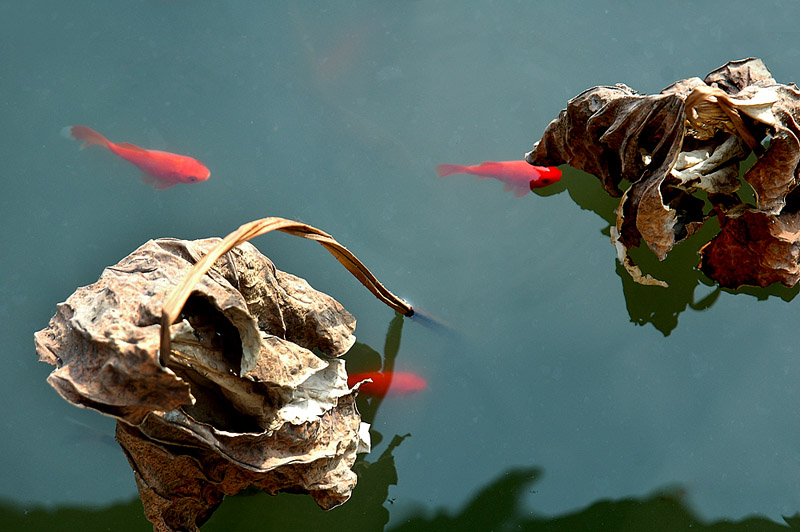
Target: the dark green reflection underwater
pixel 654 305
pixel 496 507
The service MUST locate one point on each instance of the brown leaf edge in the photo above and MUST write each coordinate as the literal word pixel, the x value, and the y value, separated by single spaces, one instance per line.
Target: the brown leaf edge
pixel 174 303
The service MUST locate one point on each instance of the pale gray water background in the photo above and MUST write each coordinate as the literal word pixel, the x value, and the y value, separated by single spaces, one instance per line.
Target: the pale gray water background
pixel 335 114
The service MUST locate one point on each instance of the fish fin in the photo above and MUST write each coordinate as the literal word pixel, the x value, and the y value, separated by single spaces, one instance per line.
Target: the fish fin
pixel 129 146
pixel 160 184
pixel 447 169
pixel 88 135
pixel 518 190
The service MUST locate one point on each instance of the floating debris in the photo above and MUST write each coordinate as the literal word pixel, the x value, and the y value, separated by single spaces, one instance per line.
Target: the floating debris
pixel 206 354
pixel 682 148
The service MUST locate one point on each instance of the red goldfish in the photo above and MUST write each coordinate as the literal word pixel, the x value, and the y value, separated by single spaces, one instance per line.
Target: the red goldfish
pixel 395 382
pixel 518 176
pixel 159 168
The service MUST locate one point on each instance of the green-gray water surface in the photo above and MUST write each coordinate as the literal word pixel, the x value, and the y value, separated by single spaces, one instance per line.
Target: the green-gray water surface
pixel 560 397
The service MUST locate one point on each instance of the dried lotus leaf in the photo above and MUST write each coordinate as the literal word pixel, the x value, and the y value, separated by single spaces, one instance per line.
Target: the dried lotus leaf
pixel 234 396
pixel 683 147
pixel 754 248
pixel 735 75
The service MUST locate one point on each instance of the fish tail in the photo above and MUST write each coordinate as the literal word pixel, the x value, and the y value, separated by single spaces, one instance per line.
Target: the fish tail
pixel 447 169
pixel 88 135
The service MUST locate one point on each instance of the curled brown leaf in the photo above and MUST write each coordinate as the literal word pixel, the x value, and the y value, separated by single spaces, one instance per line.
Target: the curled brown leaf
pixel 220 369
pixel 679 152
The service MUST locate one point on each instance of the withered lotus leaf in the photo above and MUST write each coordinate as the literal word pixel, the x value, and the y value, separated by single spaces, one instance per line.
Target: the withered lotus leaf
pixel 242 397
pixel 680 152
pixel 748 237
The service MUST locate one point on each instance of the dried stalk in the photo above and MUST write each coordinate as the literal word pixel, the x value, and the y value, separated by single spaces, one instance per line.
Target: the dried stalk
pixel 176 300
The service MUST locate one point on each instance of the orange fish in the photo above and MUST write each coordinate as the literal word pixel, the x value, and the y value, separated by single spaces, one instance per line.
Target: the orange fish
pixel 394 382
pixel 518 176
pixel 159 168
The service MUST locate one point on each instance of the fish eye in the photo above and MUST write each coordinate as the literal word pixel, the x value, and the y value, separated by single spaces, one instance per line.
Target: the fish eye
pixel 193 179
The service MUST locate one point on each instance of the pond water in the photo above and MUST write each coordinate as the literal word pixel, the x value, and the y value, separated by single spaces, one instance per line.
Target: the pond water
pixel 560 395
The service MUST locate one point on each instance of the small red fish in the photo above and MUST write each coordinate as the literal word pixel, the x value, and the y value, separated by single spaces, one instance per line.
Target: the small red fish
pixel 518 176
pixel 159 168
pixel 393 382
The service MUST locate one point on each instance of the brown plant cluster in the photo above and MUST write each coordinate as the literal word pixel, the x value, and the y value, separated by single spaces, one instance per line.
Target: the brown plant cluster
pixel 242 398
pixel 680 152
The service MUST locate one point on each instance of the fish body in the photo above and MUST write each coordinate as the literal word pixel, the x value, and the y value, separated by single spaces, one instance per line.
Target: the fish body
pixel 518 176
pixel 393 382
pixel 159 168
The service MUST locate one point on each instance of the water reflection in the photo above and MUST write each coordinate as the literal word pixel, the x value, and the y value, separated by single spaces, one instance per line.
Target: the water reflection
pixel 363 359
pixel 500 505
pixel 688 287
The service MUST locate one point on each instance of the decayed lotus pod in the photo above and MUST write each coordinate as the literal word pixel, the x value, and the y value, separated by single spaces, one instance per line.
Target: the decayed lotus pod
pixel 250 392
pixel 685 145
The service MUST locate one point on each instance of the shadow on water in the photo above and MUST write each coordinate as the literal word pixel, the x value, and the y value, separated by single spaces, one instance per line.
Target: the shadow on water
pixel 500 505
pixel 688 286
pixel 363 359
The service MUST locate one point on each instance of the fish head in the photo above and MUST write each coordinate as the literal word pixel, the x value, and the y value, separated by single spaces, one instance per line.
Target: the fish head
pixel 547 176
pixel 194 171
